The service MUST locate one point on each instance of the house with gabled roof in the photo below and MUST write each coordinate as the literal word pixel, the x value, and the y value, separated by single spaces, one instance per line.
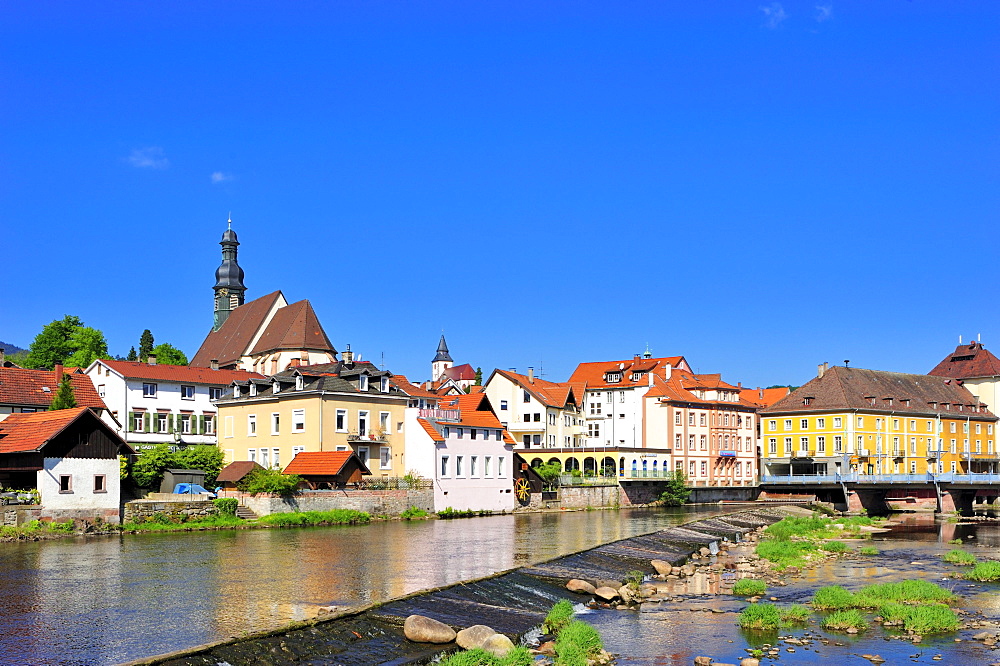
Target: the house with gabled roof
pixel 70 456
pixel 162 404
pixel 463 447
pixel 28 391
pixel 976 367
pixel 327 470
pixel 537 413
pixel 347 405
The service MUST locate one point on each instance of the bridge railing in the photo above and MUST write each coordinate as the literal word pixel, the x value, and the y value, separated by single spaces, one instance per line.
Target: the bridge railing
pixel 853 477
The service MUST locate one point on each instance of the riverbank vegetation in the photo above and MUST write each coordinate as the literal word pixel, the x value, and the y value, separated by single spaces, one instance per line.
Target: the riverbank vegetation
pixel 918 606
pixel 985 572
pixel 35 529
pixel 959 557
pixel 793 541
pixel 749 587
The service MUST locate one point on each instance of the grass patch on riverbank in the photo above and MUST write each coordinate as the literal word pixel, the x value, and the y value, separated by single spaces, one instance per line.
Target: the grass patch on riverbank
pixel 905 591
pixel 577 644
pixel 413 513
pixel 34 529
pixel 308 518
pixel 749 587
pixel 793 540
pixel 784 554
pixel 560 615
pixel 519 656
pixel 760 617
pixel 843 620
pixel 985 572
pixel 959 557
pixel 167 525
pixel 868 551
pixel 795 614
pixel 832 597
pixel 926 619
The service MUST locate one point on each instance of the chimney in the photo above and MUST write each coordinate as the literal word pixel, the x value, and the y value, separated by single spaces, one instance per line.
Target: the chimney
pixel 821 369
pixel 152 359
pixel 348 357
pixel 512 370
pixel 58 371
pixel 1 357
pixel 294 363
pixel 760 393
pixel 667 369
pixel 531 374
pixel 649 376
pixel 214 364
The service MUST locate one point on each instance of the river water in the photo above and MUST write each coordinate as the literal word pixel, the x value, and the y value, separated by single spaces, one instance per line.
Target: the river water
pixel 105 600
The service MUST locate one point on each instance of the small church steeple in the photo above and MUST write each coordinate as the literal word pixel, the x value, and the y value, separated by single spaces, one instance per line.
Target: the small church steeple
pixel 442 361
pixel 229 287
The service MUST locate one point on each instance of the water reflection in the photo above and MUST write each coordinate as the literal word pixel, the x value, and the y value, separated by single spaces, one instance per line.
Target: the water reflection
pixel 107 600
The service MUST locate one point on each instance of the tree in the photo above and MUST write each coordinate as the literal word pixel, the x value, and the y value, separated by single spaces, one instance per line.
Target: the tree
pixel 207 458
pixel 88 346
pixel 550 473
pixel 64 398
pixel 132 356
pixel 145 345
pixel 675 491
pixel 148 468
pixel 52 345
pixel 261 480
pixel 167 354
pixel 479 376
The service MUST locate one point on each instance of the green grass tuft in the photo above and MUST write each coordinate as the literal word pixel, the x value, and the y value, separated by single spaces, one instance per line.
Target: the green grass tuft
pixel 868 551
pixel 519 656
pixel 795 614
pixel 834 547
pixel 985 572
pixel 760 617
pixel 576 644
pixel 749 587
pixel 959 557
pixel 560 616
pixel 833 597
pixel 912 591
pixel 843 620
pixel 333 517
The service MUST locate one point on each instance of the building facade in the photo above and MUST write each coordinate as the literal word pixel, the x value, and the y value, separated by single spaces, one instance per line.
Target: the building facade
pixel 853 420
pixel 24 391
pixel 538 414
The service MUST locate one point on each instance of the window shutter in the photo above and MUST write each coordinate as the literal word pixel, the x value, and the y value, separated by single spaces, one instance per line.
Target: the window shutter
pixel 170 424
pixel 201 424
pixel 145 422
pixel 130 426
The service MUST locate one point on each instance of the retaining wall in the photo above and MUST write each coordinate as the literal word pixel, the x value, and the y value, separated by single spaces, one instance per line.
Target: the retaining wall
pixel 139 510
pixel 16 516
pixel 580 497
pixel 376 502
pixel 730 494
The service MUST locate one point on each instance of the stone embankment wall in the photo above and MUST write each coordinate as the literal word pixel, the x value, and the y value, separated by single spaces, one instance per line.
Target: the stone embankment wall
pixel 139 510
pixel 645 492
pixel 16 516
pixel 375 502
pixel 580 497
pixel 733 494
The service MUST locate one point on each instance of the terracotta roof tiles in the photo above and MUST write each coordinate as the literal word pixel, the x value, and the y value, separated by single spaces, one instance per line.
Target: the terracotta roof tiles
pixel 179 373
pixel 231 341
pixel 20 386
pixel 321 463
pixel 593 374
pixel 294 326
pixel 22 433
pixel 968 361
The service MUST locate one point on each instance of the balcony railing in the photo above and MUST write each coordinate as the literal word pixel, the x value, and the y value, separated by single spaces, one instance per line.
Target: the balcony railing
pixel 371 436
pixel 854 477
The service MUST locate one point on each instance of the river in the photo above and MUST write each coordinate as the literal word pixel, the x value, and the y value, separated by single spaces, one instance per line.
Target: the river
pixel 105 600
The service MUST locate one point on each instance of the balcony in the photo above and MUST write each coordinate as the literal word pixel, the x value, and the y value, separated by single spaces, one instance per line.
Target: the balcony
pixel 372 436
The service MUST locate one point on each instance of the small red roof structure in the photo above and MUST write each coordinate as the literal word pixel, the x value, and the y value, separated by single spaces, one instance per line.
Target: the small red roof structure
pixel 327 468
pixel 630 372
pixel 968 361
pixel 36 388
pixel 30 433
pixel 234 472
pixel 460 372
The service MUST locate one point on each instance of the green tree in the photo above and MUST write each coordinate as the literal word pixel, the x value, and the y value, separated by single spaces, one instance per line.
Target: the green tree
pixel 479 377
pixel 52 345
pixel 207 458
pixel 261 480
pixel 64 398
pixel 145 345
pixel 132 356
pixel 550 473
pixel 167 354
pixel 675 491
pixel 88 346
pixel 148 468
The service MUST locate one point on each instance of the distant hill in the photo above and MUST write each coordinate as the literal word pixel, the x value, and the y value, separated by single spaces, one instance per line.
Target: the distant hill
pixel 9 348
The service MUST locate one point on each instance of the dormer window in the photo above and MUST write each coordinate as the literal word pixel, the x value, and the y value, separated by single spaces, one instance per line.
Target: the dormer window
pixel 299 383
pixel 275 387
pixel 384 385
pixel 253 389
pixel 807 400
pixel 363 382
pixel 613 377
pixel 888 402
pixel 636 376
pixel 237 392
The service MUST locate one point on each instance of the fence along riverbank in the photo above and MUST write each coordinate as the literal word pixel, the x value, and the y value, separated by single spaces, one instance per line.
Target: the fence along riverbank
pixel 512 603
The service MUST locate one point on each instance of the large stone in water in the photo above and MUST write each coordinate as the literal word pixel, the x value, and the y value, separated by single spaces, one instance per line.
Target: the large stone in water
pixel 750 661
pixel 498 645
pixel 702 661
pixel 420 629
pixel 474 636
pixel 662 567
pixel 580 586
pixel 601 582
pixel 606 593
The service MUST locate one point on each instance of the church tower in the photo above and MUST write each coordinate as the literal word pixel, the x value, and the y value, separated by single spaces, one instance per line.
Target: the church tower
pixel 442 361
pixel 229 289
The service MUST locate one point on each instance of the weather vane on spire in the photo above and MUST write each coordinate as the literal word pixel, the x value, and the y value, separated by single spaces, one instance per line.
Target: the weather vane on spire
pixel 230 220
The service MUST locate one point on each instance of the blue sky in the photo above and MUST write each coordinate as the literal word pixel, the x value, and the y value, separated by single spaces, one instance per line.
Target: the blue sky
pixel 757 186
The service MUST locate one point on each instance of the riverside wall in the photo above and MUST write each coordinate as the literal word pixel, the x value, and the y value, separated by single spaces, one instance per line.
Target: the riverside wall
pixel 375 502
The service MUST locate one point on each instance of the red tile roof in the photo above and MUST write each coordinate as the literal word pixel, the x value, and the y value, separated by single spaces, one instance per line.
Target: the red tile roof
pixel 681 385
pixel 231 341
pixel 550 394
pixel 22 433
pixel 235 471
pixel 968 361
pixel 430 430
pixel 474 412
pixel 593 374
pixel 764 397
pixel 294 326
pixel 178 373
pixel 322 463
pixel 460 372
pixel 411 389
pixel 20 386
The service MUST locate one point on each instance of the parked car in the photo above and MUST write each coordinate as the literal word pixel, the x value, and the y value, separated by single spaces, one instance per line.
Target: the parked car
pixel 14 497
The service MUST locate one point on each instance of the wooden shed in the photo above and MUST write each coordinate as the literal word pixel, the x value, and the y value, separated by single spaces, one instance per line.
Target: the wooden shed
pixel 327 469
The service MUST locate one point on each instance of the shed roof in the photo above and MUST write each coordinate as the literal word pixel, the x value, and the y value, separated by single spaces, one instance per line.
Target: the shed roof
pixel 322 463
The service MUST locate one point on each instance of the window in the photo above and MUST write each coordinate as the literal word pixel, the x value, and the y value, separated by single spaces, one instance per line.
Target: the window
pixel 772 445
pixel 444 465
pixel 821 444
pixel 362 382
pixel 701 419
pixel 298 420
pixel 100 390
pixel 236 391
pixel 838 422
pixel 838 443
pixel 499 435
pixel 253 388
pixel 458 465
pixel 214 393
pixel 251 425
pixel 461 432
pixel 187 392
pixel 594 430
pixel 527 396
pixel 473 462
pixel 186 424
pixel 447 432
pixel 913 445
pixel 788 445
pixel 930 426
pixel 788 424
pixel 503 405
pixel 265 461
pixel 595 409
pixel 820 423
pixel 804 424
pixel 895 424
pixel 229 426
pixel 383 422
pixel 690 442
pixel 383 385
pixel 804 444
pixel 161 422
pixel 614 377
pixel 296 450
pixel 252 455
pixel 299 383
pixel 100 483
pixel 703 440
pixel 343 447
pixel 610 396
pixel 149 390
pixel 690 418
pixel 552 418
pixel 275 424
pixel 362 422
pixel 65 483
pixel 951 427
pixel 704 468
pixel 538 417
pixel 913 424
pixel 690 468
pixel 209 424
pixel 486 465
pixel 861 422
pixel 621 416
pixel 275 453
pixel 677 417
pixel 137 422
pixel 341 420
pixel 500 469
pixel 621 397
pixel 472 433
pixel 385 457
pixel 275 387
pixel 979 428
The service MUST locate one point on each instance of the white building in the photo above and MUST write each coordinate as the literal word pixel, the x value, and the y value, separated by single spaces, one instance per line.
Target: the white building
pixel 464 449
pixel 537 413
pixel 163 404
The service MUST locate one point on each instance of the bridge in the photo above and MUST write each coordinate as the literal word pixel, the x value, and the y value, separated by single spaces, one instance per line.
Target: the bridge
pixel 952 491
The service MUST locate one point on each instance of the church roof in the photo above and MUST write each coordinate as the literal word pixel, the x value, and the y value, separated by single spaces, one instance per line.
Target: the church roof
pixel 442 352
pixel 233 338
pixel 294 326
pixel 968 361
pixel 460 372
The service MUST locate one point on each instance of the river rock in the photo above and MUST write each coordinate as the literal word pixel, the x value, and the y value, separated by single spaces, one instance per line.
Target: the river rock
pixel 498 645
pixel 983 635
pixel 662 567
pixel 580 586
pixel 749 661
pixel 420 629
pixel 687 570
pixel 601 582
pixel 548 648
pixel 606 593
pixel 473 637
pixel 702 661
pixel 628 595
pixel 704 552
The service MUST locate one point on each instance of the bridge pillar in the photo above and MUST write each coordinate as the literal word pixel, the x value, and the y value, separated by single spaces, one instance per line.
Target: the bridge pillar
pixel 946 502
pixel 871 501
pixel 854 504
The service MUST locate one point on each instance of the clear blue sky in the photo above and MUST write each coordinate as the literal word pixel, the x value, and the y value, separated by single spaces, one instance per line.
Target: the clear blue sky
pixel 757 186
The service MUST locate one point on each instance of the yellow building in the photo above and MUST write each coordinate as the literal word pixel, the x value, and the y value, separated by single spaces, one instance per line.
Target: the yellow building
pixel 338 406
pixel 852 420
